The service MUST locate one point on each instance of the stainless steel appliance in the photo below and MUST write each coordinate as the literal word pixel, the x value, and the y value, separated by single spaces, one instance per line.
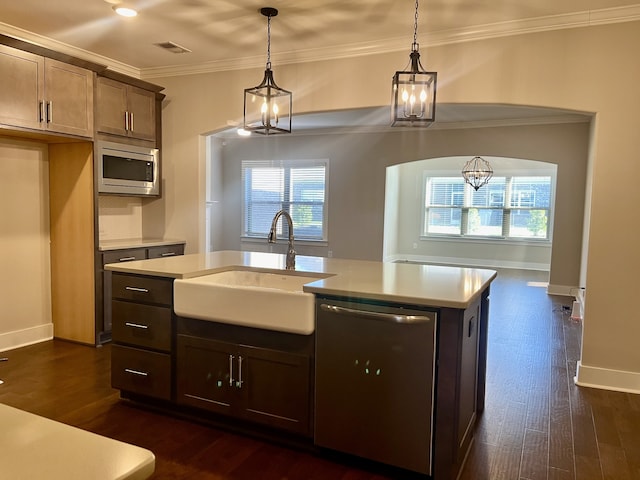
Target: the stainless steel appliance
pixel 374 382
pixel 127 169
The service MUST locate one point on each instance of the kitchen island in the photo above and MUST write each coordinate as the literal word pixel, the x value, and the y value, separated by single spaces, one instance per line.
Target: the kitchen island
pixel 268 378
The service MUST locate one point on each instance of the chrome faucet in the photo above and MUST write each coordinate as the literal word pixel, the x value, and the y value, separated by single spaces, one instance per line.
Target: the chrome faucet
pixel 291 253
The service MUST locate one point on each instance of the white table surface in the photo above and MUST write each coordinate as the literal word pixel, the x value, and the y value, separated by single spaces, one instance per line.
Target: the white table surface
pixel 33 448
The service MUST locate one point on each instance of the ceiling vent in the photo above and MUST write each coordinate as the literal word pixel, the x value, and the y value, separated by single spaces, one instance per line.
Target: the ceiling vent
pixel 173 47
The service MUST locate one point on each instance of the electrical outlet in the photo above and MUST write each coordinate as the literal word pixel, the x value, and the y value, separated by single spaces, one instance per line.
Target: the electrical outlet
pixel 415 245
pixel 330 253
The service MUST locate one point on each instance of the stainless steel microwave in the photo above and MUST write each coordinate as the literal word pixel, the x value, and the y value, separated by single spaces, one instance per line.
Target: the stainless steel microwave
pixel 127 169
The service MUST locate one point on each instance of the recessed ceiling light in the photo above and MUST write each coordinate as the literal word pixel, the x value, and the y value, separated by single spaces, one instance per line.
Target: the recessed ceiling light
pixel 124 11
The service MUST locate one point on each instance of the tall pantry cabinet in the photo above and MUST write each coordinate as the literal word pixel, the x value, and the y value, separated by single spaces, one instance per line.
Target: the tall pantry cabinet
pixel 51 98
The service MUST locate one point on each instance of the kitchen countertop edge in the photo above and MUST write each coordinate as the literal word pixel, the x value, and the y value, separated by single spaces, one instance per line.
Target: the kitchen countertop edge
pixel 416 284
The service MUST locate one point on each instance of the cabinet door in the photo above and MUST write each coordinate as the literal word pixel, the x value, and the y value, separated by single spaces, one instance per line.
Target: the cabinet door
pixel 142 111
pixel 68 98
pixel 206 374
pixel 21 87
pixel 468 377
pixel 275 388
pixel 111 106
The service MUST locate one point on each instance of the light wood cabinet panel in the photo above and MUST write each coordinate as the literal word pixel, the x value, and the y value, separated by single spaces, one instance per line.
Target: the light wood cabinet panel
pixel 72 241
pixel 142 107
pixel 45 94
pixel 125 110
pixel 68 98
pixel 21 87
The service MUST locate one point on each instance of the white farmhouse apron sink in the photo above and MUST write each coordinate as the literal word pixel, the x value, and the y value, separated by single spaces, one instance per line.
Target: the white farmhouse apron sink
pixel 269 300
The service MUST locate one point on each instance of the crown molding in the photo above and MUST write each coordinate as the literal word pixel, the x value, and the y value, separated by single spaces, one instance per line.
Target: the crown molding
pixel 67 49
pixel 584 18
pixel 481 32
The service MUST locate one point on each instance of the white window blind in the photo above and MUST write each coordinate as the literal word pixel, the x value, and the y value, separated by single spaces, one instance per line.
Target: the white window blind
pixel 298 187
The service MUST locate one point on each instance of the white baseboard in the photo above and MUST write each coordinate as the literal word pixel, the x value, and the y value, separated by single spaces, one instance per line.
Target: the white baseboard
pixel 606 379
pixel 562 290
pixel 467 262
pixel 27 336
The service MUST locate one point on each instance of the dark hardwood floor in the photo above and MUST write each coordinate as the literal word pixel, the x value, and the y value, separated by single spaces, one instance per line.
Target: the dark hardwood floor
pixel 537 424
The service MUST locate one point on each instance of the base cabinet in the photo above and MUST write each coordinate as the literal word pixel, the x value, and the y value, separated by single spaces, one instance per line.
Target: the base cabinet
pixel 141 357
pixel 104 323
pixel 262 385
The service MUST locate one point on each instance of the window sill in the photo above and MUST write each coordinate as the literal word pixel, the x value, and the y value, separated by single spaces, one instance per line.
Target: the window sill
pixel 487 240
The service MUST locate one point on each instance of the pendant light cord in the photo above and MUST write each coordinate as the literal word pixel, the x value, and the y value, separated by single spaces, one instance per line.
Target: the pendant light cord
pixel 414 47
pixel 269 42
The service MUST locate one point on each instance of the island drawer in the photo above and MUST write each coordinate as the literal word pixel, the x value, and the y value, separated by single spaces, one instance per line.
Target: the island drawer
pixel 142 289
pixel 141 371
pixel 142 325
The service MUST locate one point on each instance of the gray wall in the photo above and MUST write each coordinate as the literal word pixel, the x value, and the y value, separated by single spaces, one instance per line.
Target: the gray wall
pixel 357 169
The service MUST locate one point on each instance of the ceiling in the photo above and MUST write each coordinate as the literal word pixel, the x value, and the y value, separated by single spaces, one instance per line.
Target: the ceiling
pixel 232 34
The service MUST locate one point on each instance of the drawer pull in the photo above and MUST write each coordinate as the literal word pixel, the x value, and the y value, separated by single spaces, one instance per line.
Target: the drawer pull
pixel 136 372
pixel 137 289
pixel 168 254
pixel 136 325
pixel 126 259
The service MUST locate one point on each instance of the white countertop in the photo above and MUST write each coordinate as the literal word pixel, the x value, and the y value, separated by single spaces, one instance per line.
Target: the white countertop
pixel 406 283
pixel 124 243
pixel 34 447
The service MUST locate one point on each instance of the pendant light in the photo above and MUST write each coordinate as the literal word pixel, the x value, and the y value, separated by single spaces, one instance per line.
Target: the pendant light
pixel 267 107
pixel 477 172
pixel 414 90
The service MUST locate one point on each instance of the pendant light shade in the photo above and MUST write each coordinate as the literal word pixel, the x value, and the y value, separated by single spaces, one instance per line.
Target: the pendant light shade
pixel 414 90
pixel 477 172
pixel 267 107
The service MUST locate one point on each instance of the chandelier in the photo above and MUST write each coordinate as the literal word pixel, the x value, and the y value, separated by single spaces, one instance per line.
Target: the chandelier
pixel 414 90
pixel 267 107
pixel 477 172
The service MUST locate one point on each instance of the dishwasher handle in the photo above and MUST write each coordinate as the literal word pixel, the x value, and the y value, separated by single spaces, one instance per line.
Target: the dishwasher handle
pixel 387 317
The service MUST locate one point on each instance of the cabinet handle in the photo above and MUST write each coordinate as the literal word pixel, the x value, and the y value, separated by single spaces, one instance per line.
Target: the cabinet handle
pixel 136 372
pixel 126 121
pixel 239 384
pixel 131 120
pixel 168 254
pixel 136 325
pixel 231 370
pixel 126 259
pixel 49 112
pixel 137 289
pixel 470 327
pixel 41 108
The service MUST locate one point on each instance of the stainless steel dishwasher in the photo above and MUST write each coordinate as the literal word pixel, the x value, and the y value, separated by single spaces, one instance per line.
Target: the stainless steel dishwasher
pixel 375 370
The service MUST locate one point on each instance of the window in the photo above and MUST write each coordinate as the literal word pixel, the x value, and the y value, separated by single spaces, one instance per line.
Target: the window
pixel 297 187
pixel 506 208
